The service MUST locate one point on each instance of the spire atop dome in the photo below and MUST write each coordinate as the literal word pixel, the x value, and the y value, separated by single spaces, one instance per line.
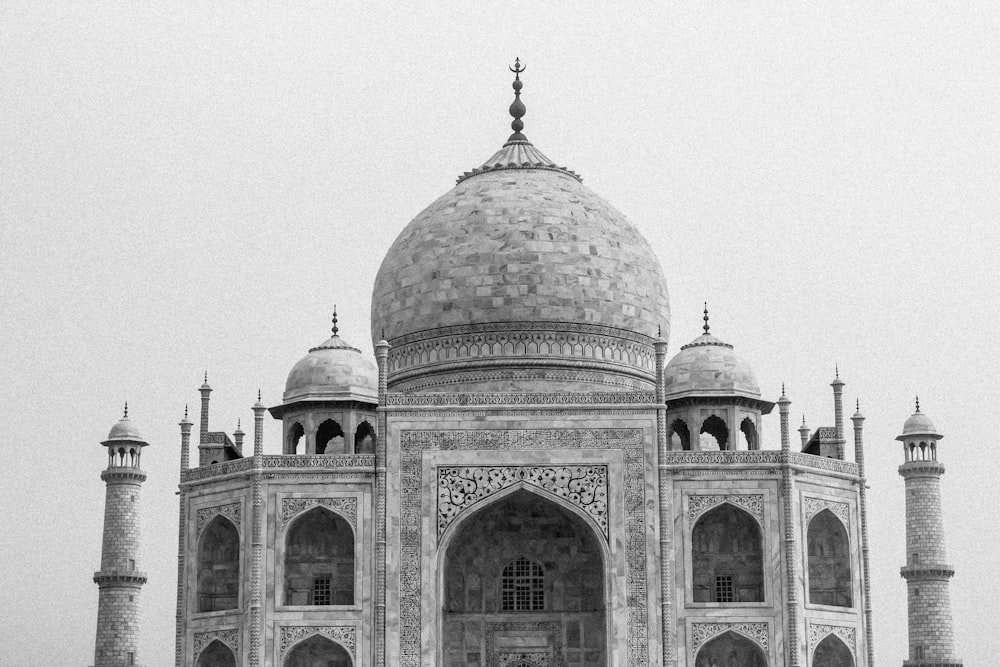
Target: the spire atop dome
pixel 335 329
pixel 706 319
pixel 126 410
pixel 517 108
pixel 918 403
pixel 706 338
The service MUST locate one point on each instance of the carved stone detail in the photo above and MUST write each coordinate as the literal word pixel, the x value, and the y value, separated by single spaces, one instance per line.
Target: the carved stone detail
pixel 232 511
pixel 818 632
pixel 584 486
pixel 293 634
pixel 814 506
pixel 536 659
pixel 412 446
pixel 522 398
pixel 229 636
pixel 346 507
pixel 701 633
pixel 553 628
pixel 752 503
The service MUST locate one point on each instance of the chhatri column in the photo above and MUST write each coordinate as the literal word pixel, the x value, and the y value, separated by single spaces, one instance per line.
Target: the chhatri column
pixel 119 580
pixel 926 572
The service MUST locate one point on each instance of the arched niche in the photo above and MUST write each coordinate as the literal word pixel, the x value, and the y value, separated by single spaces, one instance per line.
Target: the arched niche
pixel 680 435
pixel 832 652
pixel 714 434
pixel 317 651
pixel 216 654
pixel 295 435
pixel 730 649
pixel 329 438
pixel 524 558
pixel 218 583
pixel 749 432
pixel 319 559
pixel 829 561
pixel 727 557
pixel 364 439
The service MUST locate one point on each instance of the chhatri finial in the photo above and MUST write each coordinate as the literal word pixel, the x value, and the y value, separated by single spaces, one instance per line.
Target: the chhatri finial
pixel 918 404
pixel 335 328
pixel 659 331
pixel 857 404
pixel 126 410
pixel 185 411
pixel 258 395
pixel 706 318
pixel 803 419
pixel 206 377
pixel 517 109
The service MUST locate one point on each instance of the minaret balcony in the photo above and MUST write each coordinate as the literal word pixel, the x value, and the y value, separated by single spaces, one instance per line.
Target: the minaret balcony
pixel 921 469
pixel 939 571
pixel 123 474
pixel 116 577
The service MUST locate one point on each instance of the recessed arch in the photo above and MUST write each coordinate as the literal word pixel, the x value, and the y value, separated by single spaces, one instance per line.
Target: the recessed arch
pixel 829 552
pixel 364 438
pixel 329 438
pixel 727 557
pixel 218 577
pixel 216 654
pixel 317 651
pixel 730 648
pixel 319 559
pixel 295 434
pixel 749 431
pixel 714 434
pixel 832 652
pixel 680 435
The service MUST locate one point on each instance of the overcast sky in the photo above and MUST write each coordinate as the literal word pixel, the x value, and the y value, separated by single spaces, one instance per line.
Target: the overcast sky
pixel 192 186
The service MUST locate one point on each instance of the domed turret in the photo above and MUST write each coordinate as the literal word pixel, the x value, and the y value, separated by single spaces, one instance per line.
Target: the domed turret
pixel 708 386
pixel 329 402
pixel 517 275
pixel 124 443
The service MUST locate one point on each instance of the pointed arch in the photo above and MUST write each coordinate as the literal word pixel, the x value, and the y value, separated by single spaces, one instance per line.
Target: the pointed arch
pixel 730 648
pixel 364 438
pixel 749 431
pixel 679 435
pixel 317 651
pixel 295 434
pixel 329 438
pixel 727 557
pixel 718 433
pixel 218 578
pixel 829 552
pixel 216 654
pixel 832 652
pixel 319 559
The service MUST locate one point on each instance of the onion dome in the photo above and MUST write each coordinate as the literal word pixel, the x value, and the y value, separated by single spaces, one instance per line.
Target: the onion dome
pixel 918 425
pixel 124 431
pixel 333 370
pixel 519 244
pixel 708 366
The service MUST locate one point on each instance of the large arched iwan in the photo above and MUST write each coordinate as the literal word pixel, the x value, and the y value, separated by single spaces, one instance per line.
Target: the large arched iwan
pixel 319 560
pixel 525 558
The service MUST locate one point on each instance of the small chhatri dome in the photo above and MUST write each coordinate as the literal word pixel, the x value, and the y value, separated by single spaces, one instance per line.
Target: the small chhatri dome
pixel 124 430
pixel 333 370
pixel 707 365
pixel 918 424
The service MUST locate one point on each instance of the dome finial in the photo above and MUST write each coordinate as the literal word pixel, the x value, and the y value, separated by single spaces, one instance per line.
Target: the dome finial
pixel 335 329
pixel 517 108
pixel 185 411
pixel 706 318
pixel 918 404
pixel 126 410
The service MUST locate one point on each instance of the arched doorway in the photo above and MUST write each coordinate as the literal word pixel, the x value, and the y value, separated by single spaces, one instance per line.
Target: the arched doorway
pixel 832 652
pixel 217 654
pixel 317 651
pixel 319 560
pixel 727 557
pixel 829 561
pixel 524 575
pixel 218 566
pixel 730 649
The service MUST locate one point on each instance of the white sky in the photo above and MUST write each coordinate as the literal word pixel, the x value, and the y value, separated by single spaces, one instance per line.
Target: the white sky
pixel 190 186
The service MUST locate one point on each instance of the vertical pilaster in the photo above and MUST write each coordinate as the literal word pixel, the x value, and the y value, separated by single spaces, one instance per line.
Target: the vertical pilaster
pixel 838 413
pixel 790 541
pixel 665 518
pixel 382 359
pixel 257 634
pixel 185 425
pixel 859 457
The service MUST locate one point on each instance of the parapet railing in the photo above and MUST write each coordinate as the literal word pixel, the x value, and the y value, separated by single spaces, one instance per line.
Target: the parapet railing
pixel 765 458
pixel 277 461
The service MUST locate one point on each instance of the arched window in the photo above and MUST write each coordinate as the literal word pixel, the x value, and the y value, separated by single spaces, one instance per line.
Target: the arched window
pixel 523 586
pixel 832 652
pixel 730 648
pixel 364 439
pixel 217 654
pixel 218 566
pixel 317 651
pixel 749 431
pixel 319 560
pixel 829 561
pixel 329 438
pixel 714 434
pixel 680 435
pixel 295 434
pixel 727 557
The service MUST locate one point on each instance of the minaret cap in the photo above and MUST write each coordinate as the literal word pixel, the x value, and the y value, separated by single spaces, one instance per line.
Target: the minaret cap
pixel 918 425
pixel 124 431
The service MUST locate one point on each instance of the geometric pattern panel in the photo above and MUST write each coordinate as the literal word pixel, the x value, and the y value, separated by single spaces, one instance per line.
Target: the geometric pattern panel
pixel 752 503
pixel 233 512
pixel 341 634
pixel 702 632
pixel 346 507
pixel 584 486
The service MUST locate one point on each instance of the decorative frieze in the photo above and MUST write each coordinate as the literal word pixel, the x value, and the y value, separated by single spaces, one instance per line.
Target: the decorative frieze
pixel 584 486
pixel 751 502
pixel 819 632
pixel 279 461
pixel 756 457
pixel 345 635
pixel 228 636
pixel 346 507
pixel 814 506
pixel 545 373
pixel 701 633
pixel 232 511
pixel 521 398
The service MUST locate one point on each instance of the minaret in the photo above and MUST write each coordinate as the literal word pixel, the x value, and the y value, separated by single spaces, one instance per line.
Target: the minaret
pixel 838 413
pixel 119 580
pixel 926 571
